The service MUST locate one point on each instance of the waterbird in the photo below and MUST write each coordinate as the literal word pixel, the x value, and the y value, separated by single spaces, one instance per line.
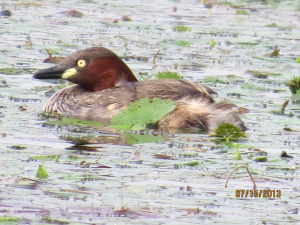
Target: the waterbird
pixel 104 85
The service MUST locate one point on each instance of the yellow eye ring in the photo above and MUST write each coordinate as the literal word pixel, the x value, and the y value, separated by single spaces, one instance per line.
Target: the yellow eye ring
pixel 81 63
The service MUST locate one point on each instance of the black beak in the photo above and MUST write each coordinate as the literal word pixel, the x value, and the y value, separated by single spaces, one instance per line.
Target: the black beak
pixel 54 72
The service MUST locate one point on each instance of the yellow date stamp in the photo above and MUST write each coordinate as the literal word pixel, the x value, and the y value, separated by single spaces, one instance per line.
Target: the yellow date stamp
pixel 258 193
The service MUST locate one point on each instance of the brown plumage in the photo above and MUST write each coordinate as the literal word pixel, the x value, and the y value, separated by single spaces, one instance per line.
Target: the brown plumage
pixel 105 85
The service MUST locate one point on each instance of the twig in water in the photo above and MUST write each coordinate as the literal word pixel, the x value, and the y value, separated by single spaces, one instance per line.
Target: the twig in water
pixel 48 53
pixel 154 58
pixel 236 169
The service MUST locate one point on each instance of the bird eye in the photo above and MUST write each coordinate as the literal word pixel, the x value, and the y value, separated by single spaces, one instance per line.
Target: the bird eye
pixel 81 63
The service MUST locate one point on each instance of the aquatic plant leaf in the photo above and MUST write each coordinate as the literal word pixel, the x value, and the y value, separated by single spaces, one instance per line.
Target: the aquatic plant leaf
pixel 63 121
pixel 53 60
pixel 11 71
pixel 181 28
pixel 132 138
pixel 16 71
pixel 44 157
pixel 8 219
pixel 273 25
pixel 41 172
pixel 248 43
pixel 237 154
pixel 212 43
pixel 167 75
pixel 228 130
pixel 294 86
pixel 183 43
pixel 223 79
pixel 28 4
pixel 261 74
pixel 241 12
pixel 247 86
pixel 211 79
pixel 142 112
pixel 193 163
pixel 49 51
pixel 261 159
pixel 188 164
pixel 296 97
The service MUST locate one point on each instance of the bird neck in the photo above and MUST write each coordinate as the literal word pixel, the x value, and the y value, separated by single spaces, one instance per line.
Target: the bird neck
pixel 105 73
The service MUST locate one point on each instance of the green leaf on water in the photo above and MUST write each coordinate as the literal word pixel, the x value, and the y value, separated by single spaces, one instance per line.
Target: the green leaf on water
pixel 248 43
pixel 132 138
pixel 16 71
pixel 183 43
pixel 11 71
pixel 63 121
pixel 50 51
pixel 273 25
pixel 45 157
pixel 142 112
pixel 241 12
pixel 298 60
pixel 212 43
pixel 223 79
pixel 262 74
pixel 211 79
pixel 294 85
pixel 41 172
pixel 30 4
pixel 53 60
pixel 9 219
pixel 247 86
pixel 237 154
pixel 49 220
pixel 261 159
pixel 167 75
pixel 181 28
pixel 228 130
pixel 193 163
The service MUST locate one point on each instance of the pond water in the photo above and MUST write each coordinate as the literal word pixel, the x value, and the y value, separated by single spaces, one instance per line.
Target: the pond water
pixel 97 176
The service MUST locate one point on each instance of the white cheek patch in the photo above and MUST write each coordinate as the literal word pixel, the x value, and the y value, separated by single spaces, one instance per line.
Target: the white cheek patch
pixel 68 73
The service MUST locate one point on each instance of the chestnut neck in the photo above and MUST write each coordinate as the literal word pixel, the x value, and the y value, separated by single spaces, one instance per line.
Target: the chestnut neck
pixel 104 73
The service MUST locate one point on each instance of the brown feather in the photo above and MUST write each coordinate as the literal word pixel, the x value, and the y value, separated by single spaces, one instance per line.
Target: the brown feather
pixel 196 109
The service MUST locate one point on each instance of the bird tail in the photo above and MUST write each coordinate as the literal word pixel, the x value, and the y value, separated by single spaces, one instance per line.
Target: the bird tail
pixel 202 115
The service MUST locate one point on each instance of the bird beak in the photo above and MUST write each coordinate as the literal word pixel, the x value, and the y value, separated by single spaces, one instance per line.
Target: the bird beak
pixel 55 72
